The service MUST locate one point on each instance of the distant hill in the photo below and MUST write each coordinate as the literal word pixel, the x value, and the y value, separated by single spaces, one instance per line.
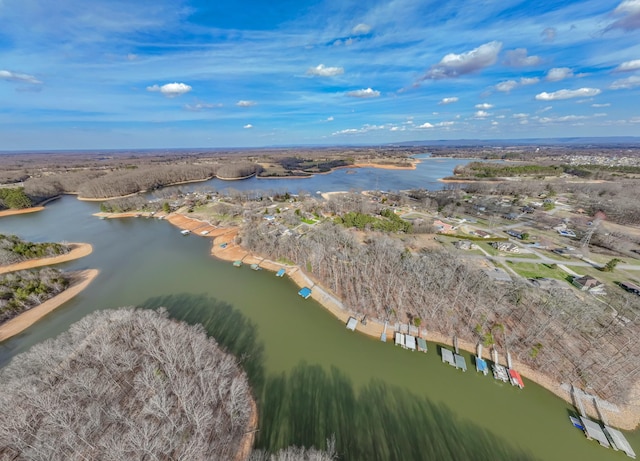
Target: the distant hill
pixel 609 141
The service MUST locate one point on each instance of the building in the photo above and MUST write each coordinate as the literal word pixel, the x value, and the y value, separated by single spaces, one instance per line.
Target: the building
pixel 590 284
pixel 506 246
pixel 631 287
pixel 443 227
pixel 465 245
pixel 516 233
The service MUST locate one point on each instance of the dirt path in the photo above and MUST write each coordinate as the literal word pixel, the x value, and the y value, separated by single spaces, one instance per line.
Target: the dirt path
pixel 78 250
pixel 80 281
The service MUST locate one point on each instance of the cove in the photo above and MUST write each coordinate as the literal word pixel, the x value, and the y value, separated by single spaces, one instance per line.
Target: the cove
pixel 311 376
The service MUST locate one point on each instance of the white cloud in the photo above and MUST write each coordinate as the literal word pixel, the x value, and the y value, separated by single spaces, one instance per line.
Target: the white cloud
pixel 509 85
pixel 626 83
pixel 630 12
pixel 565 118
pixel 520 115
pixel 451 100
pixel 321 71
pixel 484 105
pixel 365 93
pixel 559 73
pixel 529 81
pixel 426 125
pixel 549 34
pixel 628 66
pixel 18 77
pixel 601 105
pixel 132 57
pixel 544 109
pixel 364 129
pixel 506 86
pixel 248 126
pixel 361 29
pixel 454 65
pixel 567 94
pixel 445 124
pixel 330 118
pixel 481 114
pixel 519 58
pixel 171 90
pixel 200 106
pixel 245 103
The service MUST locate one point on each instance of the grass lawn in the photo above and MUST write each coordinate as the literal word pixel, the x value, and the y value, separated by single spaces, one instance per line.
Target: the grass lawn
pixel 533 270
pixel 311 222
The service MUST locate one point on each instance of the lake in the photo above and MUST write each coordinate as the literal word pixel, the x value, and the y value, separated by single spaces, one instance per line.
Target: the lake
pixel 312 377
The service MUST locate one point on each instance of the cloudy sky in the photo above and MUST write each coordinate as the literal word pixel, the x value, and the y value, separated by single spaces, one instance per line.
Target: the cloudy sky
pixel 78 74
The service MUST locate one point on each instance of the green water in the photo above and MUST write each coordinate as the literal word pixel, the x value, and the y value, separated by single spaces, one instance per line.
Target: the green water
pixel 311 376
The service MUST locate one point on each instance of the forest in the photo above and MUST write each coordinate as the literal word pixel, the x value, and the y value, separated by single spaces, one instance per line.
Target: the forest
pixel 567 338
pixel 22 290
pixel 13 249
pixel 125 384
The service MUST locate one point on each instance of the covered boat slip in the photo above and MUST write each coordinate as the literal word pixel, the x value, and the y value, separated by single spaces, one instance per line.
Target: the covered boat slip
pixel 460 362
pixel 351 324
pixel 481 365
pixel 447 356
pixel 594 431
pixel 410 342
pixel 399 340
pixel 422 345
pixel 619 442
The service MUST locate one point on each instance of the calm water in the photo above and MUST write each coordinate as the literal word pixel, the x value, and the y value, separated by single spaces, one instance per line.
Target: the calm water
pixel 313 378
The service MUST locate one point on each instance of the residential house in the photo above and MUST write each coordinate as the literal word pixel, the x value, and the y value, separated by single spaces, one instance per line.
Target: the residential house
pixel 481 233
pixel 590 284
pixel 516 233
pixel 443 227
pixel 465 245
pixel 506 246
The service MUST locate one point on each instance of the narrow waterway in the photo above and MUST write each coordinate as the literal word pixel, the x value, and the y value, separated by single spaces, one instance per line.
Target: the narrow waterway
pixel 313 378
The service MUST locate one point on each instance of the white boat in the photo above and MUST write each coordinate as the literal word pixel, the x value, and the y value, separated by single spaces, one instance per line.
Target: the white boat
pixel 185 232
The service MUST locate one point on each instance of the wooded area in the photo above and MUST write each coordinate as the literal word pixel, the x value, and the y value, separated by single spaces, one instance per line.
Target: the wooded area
pixel 13 249
pixel 22 290
pixel 124 384
pixel 568 338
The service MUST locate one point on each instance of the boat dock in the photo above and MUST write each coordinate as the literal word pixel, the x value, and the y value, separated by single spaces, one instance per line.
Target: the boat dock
pixel 399 339
pixel 305 292
pixel 460 362
pixel 481 364
pixel 447 357
pixel 383 336
pixel 351 324
pixel 410 342
pixel 237 263
pixel 422 345
pixel 256 267
pixel 281 273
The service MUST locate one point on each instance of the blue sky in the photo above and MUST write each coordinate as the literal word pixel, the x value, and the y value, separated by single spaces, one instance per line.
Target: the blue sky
pixel 93 74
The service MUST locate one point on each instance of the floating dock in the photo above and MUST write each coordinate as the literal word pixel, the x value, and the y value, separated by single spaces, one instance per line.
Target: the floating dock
pixel 399 339
pixel 281 273
pixel 383 336
pixel 410 342
pixel 594 431
pixel 237 263
pixel 460 362
pixel 185 232
pixel 481 366
pixel 422 345
pixel 256 267
pixel 619 442
pixel 352 324
pixel 515 378
pixel 305 292
pixel 447 357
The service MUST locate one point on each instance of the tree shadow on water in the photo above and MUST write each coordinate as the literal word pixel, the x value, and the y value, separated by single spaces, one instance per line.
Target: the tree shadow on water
pixel 381 422
pixel 230 328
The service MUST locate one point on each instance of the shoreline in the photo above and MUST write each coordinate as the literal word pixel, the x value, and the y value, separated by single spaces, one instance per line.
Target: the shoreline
pixel 89 199
pixel 625 418
pixel 12 212
pixel 80 281
pixel 78 250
